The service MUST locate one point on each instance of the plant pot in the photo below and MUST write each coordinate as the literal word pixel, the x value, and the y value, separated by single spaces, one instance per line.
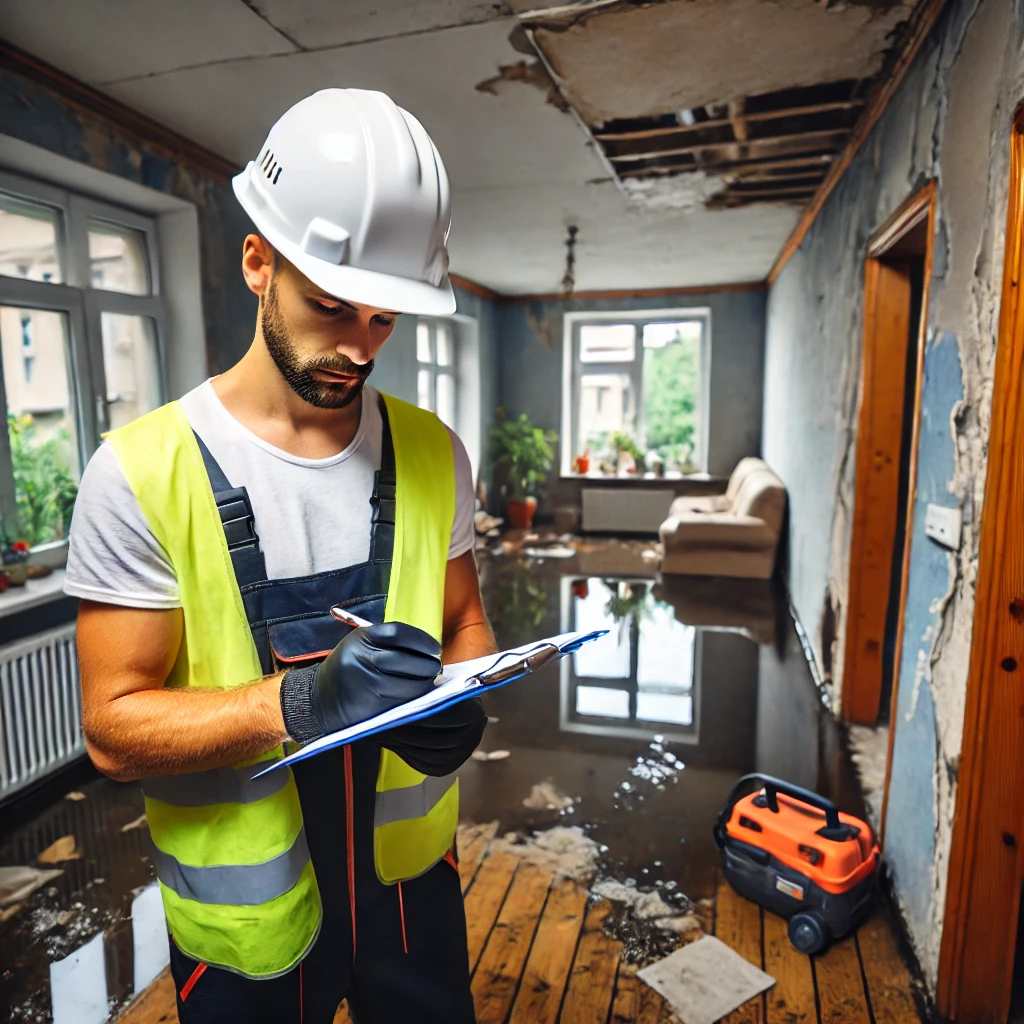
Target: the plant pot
pixel 53 554
pixel 520 512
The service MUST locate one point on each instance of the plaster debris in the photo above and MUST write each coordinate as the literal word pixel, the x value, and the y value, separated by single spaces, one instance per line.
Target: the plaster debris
pixel 18 883
pixel 680 192
pixel 65 848
pixel 546 796
pixel 74 795
pixel 648 906
pixel 494 755
pixel 565 851
pixel 139 822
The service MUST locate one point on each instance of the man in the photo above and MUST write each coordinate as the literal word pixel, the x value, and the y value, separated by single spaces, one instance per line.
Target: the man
pixel 209 542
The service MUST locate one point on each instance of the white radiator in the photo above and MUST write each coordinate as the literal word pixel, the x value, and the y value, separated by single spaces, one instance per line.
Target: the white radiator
pixel 625 509
pixel 40 707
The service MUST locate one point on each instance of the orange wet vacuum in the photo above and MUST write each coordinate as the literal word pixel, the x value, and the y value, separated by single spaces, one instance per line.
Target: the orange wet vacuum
pixel 794 853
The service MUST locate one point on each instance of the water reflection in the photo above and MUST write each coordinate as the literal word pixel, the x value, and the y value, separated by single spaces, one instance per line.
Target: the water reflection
pixel 644 732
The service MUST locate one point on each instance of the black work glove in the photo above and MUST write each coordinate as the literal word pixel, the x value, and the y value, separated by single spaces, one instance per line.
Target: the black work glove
pixel 440 744
pixel 372 670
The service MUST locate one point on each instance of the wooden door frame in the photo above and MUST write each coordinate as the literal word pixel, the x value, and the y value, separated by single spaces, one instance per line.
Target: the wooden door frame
pixel 986 860
pixel 861 691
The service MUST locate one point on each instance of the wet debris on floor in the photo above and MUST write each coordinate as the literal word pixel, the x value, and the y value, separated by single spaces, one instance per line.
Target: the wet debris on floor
pixel 546 796
pixel 493 755
pixel 705 980
pixel 563 850
pixel 61 850
pixel 139 822
pixel 75 795
pixel 19 882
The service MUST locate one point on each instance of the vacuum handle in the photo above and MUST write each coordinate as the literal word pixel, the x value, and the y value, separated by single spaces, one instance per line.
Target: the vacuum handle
pixel 772 787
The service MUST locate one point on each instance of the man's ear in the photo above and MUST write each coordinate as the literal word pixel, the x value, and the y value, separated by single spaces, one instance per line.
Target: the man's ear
pixel 259 260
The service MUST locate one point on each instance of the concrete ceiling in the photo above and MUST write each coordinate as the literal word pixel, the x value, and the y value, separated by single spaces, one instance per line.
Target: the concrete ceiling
pixel 522 170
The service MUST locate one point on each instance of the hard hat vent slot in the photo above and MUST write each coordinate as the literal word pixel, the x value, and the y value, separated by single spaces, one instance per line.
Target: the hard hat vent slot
pixel 276 176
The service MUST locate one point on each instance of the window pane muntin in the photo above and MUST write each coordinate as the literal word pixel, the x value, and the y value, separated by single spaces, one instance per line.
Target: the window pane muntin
pixel 30 240
pixel 118 258
pixel 607 343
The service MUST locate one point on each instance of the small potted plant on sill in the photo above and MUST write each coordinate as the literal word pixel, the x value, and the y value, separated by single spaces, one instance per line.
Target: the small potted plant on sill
pixel 523 451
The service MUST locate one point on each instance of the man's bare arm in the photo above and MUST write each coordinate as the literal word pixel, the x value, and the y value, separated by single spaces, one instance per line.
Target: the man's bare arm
pixel 135 727
pixel 467 633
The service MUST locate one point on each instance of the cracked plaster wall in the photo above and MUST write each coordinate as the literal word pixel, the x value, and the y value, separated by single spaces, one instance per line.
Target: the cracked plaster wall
pixel 950 120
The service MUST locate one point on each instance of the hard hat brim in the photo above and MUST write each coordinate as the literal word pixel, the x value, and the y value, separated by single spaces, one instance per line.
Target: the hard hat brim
pixel 353 284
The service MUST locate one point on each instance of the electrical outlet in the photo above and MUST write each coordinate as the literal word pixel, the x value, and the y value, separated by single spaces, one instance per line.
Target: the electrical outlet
pixel 944 525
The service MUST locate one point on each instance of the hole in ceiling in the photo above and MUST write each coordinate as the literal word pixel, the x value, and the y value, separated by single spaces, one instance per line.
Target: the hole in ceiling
pixel 774 147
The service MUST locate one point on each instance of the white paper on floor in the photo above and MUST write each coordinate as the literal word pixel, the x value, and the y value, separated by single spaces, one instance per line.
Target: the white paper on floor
pixel 78 985
pixel 149 936
pixel 705 980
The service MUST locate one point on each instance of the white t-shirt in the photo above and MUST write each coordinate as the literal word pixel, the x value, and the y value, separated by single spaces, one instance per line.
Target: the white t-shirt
pixel 312 515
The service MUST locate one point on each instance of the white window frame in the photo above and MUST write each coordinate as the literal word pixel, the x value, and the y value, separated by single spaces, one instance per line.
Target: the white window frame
pixel 84 306
pixel 434 368
pixel 573 368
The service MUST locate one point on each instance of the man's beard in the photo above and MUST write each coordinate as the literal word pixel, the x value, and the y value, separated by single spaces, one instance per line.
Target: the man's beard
pixel 299 374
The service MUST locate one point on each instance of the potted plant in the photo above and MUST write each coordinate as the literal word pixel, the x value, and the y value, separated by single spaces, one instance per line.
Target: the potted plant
pixel 523 451
pixel 623 444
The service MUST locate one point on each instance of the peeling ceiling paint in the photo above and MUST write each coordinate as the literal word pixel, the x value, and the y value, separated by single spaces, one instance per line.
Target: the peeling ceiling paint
pixel 632 60
pixel 682 192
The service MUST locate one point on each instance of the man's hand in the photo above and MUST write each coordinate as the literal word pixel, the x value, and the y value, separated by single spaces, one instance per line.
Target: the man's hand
pixel 372 670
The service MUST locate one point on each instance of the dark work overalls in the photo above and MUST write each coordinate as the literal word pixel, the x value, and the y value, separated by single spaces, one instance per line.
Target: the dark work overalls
pixel 396 952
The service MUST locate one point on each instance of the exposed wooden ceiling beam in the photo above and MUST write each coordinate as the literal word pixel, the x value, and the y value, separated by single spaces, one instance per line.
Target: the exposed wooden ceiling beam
pixel 922 21
pixel 750 144
pixel 724 122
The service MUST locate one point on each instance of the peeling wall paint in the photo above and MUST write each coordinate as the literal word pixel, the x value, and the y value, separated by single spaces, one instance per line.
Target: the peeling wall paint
pixel 950 121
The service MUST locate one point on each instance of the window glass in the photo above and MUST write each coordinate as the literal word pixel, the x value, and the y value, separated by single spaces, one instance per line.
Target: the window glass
pixel 664 707
pixel 665 652
pixel 445 407
pixel 131 365
pixel 117 258
pixel 610 659
pixel 424 349
pixel 444 345
pixel 602 701
pixel 671 392
pixel 607 343
pixel 606 407
pixel 40 420
pixel 29 235
pixel 425 390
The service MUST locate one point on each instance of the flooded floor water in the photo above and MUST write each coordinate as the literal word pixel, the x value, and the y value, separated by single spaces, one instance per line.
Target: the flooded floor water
pixel 637 739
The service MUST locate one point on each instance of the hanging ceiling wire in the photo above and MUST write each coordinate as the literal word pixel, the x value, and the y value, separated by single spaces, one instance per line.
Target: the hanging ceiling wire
pixel 569 279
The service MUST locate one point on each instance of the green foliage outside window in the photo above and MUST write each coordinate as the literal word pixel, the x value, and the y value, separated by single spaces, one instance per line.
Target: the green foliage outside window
pixel 44 490
pixel 671 384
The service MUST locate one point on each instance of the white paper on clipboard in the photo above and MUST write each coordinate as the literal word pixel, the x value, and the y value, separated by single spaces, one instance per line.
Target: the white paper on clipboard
pixel 459 681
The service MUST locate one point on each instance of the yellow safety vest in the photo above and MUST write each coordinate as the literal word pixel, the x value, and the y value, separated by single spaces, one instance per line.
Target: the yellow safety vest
pixel 238 886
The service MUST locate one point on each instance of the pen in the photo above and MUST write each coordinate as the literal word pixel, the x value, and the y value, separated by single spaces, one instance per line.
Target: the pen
pixel 342 615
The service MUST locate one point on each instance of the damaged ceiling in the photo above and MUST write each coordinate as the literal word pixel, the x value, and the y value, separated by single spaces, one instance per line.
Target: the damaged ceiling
pixel 682 136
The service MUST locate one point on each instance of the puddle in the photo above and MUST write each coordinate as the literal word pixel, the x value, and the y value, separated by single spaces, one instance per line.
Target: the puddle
pixel 639 737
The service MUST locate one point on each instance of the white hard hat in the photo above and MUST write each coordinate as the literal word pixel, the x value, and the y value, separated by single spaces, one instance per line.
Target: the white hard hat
pixel 350 189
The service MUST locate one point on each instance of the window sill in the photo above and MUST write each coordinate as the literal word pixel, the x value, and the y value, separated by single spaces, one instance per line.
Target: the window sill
pixel 645 478
pixel 33 594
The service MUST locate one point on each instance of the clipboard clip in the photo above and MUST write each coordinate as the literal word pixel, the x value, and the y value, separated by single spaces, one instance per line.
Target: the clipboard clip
pixel 523 663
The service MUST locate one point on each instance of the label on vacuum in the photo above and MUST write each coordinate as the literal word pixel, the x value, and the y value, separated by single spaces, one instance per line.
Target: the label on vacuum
pixel 796 891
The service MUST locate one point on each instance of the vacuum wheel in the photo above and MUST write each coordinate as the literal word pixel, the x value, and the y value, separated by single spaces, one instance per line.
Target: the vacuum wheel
pixel 808 933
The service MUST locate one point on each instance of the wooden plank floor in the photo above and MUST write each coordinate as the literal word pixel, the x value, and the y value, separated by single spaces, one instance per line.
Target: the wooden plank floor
pixel 539 955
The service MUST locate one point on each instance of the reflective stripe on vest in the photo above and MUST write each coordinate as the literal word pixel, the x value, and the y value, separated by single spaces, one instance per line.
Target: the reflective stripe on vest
pixel 216 786
pixel 243 885
pixel 411 801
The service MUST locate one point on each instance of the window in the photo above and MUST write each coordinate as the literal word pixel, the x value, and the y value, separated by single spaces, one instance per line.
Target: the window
pixel 435 379
pixel 81 322
pixel 634 390
pixel 640 678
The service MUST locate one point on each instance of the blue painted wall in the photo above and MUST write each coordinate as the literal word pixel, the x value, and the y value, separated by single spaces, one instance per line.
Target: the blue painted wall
pixel 949 121
pixel 530 369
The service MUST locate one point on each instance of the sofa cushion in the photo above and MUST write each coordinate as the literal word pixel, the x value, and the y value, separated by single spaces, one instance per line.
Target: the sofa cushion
pixel 762 496
pixel 743 469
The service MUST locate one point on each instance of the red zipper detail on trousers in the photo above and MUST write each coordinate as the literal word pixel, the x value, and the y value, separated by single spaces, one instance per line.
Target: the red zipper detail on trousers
pixel 190 984
pixel 401 912
pixel 350 843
